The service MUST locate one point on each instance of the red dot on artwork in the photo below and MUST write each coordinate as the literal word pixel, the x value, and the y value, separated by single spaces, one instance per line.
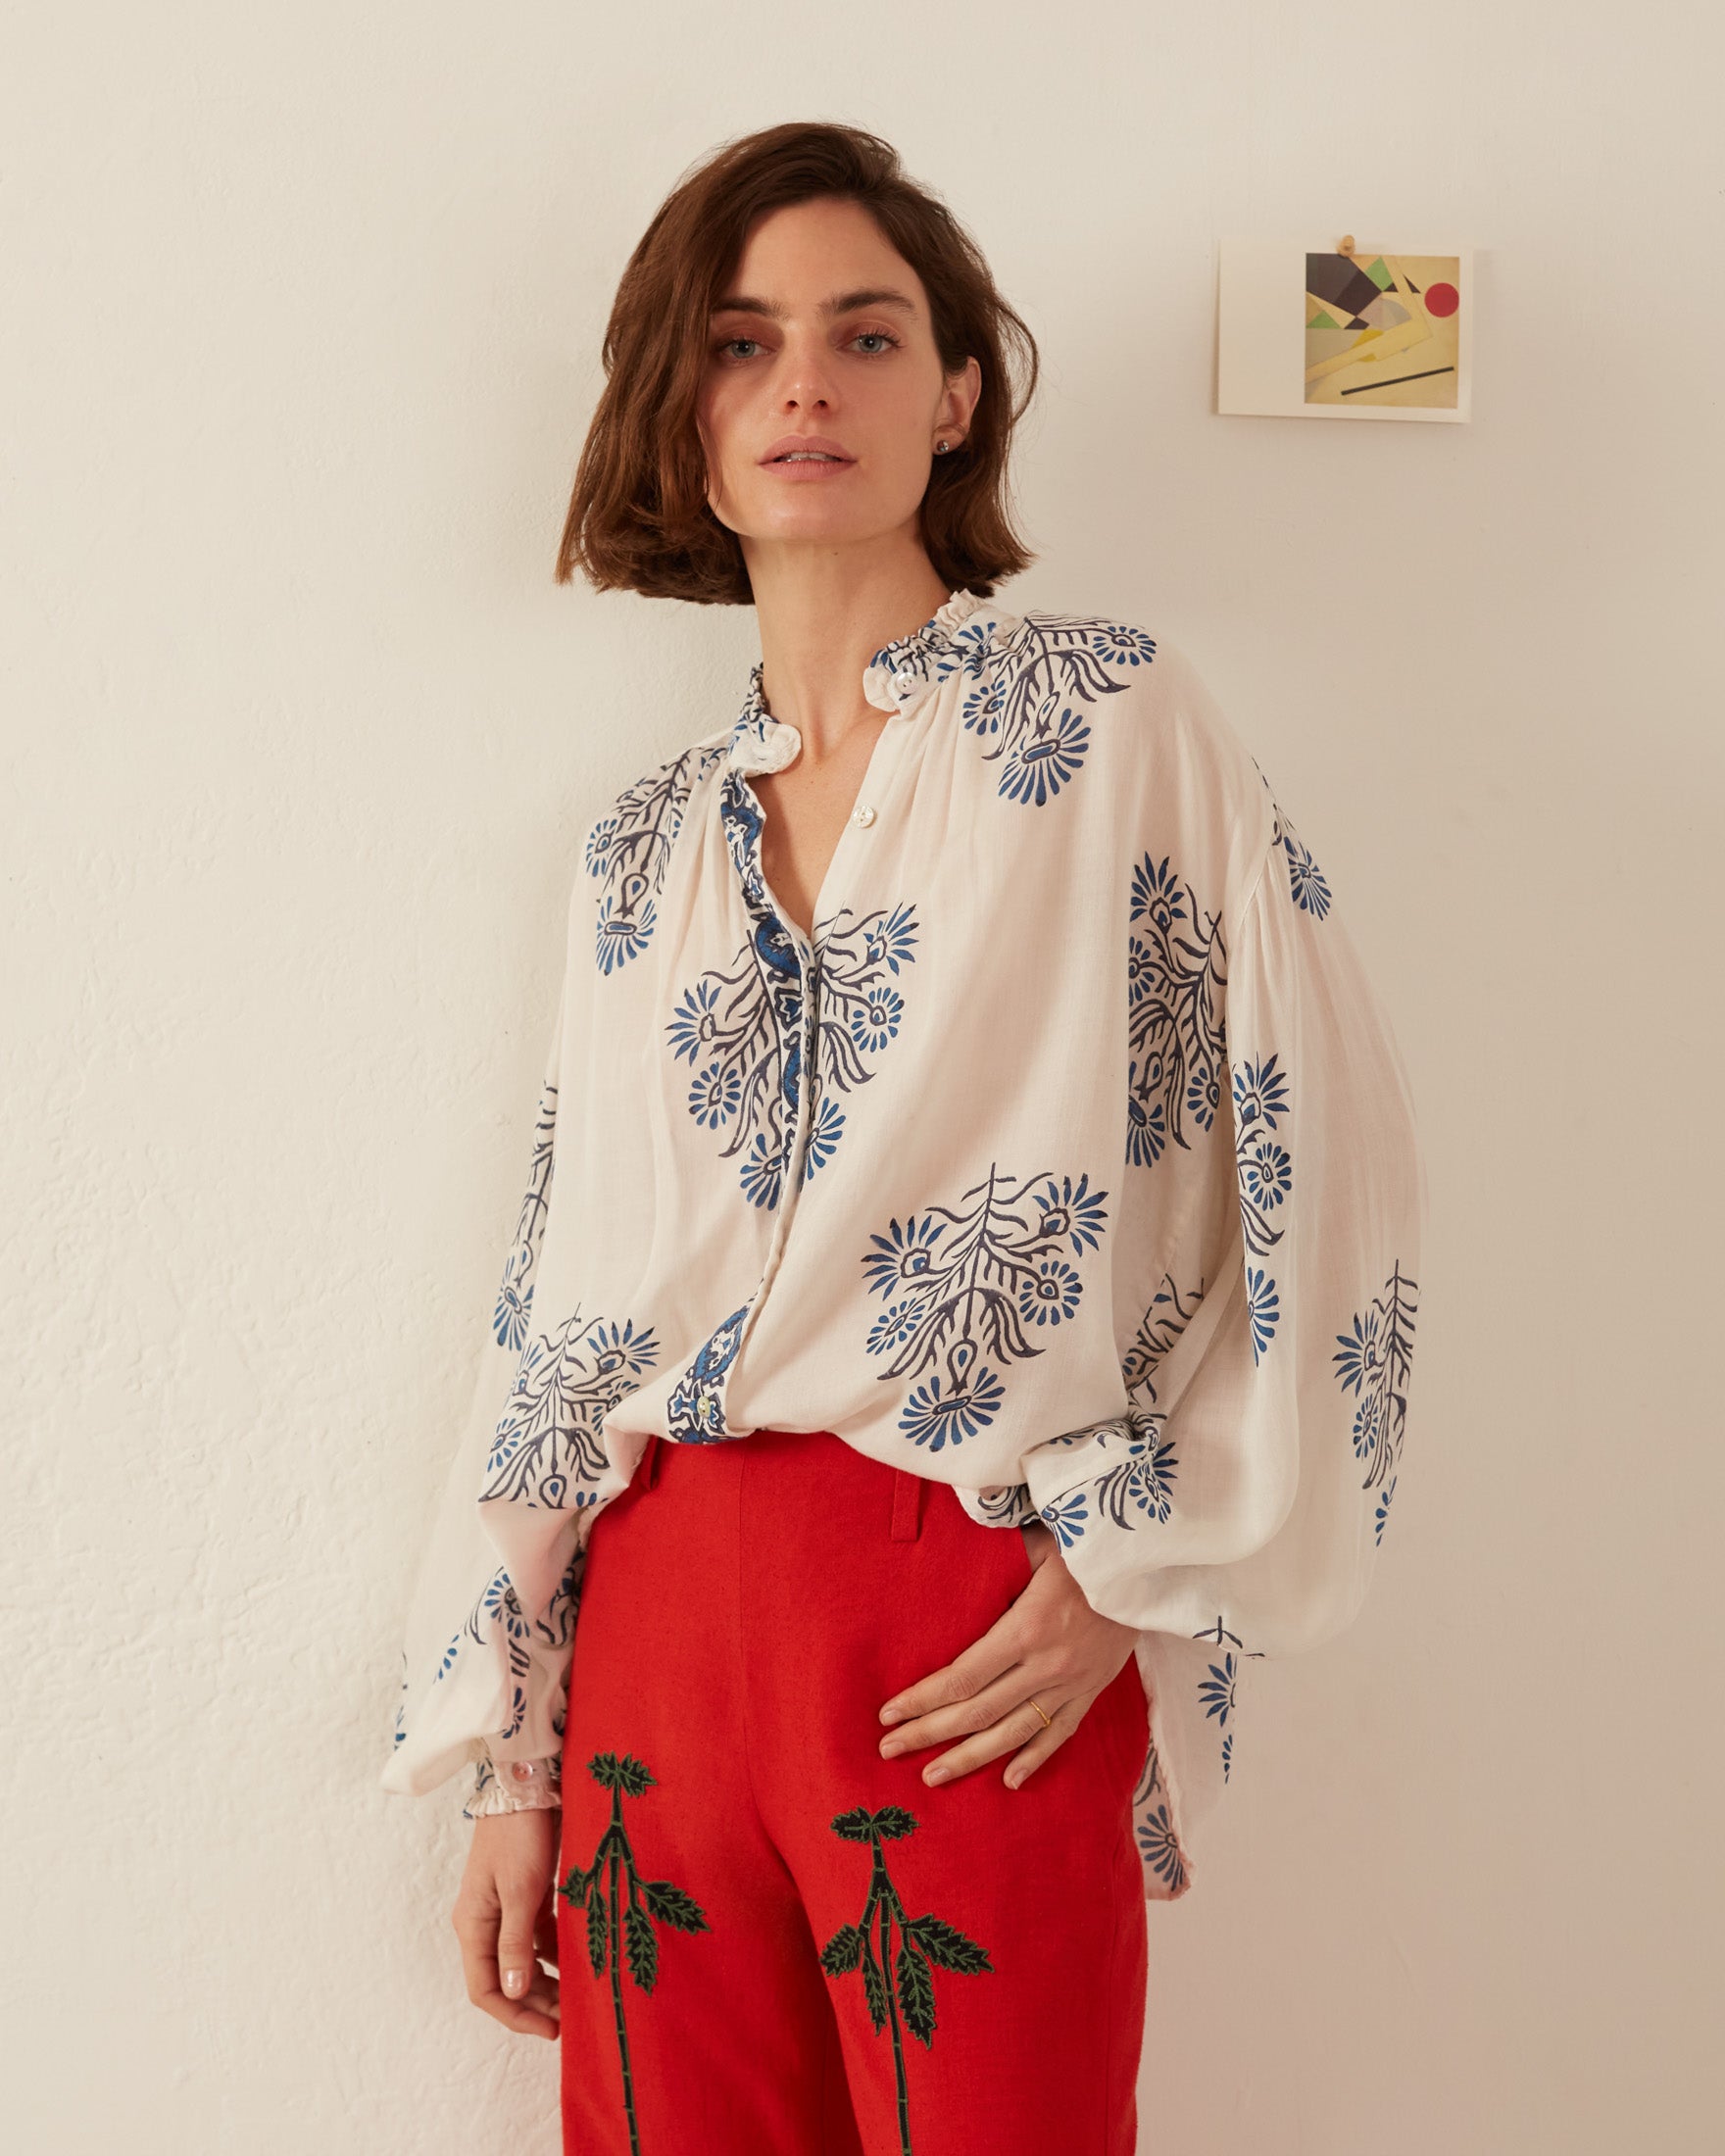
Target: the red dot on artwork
pixel 1442 299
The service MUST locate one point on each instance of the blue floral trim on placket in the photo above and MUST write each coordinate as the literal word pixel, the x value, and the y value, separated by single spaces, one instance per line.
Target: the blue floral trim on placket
pixel 695 1411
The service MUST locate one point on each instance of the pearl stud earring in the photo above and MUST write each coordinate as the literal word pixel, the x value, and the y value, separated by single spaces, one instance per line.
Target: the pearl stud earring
pixel 939 447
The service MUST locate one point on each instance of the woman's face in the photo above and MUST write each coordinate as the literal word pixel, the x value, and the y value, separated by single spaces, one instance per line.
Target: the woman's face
pixel 823 330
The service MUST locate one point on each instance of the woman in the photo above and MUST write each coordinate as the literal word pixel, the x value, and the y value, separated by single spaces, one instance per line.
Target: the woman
pixel 963 1302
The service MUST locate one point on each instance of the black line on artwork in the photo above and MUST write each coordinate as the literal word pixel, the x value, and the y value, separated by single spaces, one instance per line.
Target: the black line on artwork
pixel 1391 384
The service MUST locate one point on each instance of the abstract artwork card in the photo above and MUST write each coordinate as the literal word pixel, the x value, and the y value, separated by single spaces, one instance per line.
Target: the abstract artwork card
pixel 1306 331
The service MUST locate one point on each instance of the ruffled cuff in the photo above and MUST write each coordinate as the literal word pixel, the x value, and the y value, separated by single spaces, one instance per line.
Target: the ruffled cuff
pixel 518 1786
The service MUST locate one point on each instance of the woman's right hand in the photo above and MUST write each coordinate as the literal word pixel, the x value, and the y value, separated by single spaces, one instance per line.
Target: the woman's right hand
pixel 506 1917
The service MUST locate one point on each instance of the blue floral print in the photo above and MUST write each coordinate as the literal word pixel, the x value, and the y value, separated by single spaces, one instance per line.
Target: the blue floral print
pixel 1031 691
pixel 1266 1175
pixel 629 851
pixel 1026 693
pixel 1375 1361
pixel 1305 880
pixel 497 1619
pixel 1265 1308
pixel 1067 1517
pixel 1176 975
pixel 1217 1687
pixel 1143 1480
pixel 515 1295
pixel 1005 1504
pixel 962 1283
pixel 1217 1692
pixel 696 1404
pixel 1310 892
pixel 1264 1171
pixel 1171 1309
pixel 1158 1845
pixel 1260 1092
pixel 545 1450
pixel 726 1025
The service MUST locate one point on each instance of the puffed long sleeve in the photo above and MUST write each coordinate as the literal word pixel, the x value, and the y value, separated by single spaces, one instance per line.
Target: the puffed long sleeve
pixel 1236 1509
pixel 480 1682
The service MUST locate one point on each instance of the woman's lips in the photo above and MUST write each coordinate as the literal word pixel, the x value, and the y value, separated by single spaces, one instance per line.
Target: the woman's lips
pixel 808 468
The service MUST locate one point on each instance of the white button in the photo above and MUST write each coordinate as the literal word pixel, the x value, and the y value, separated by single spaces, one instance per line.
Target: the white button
pixel 523 1770
pixel 904 677
pixel 864 815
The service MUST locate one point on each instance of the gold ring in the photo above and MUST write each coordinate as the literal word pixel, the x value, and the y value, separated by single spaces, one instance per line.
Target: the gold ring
pixel 1046 1722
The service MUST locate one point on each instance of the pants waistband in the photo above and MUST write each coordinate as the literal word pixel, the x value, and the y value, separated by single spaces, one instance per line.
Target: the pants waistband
pixel 908 1488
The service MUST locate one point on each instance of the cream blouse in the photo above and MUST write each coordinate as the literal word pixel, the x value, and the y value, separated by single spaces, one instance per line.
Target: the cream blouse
pixel 1071 1162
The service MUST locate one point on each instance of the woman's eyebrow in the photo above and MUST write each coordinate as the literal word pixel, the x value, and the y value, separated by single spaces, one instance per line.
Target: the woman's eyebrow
pixel 844 303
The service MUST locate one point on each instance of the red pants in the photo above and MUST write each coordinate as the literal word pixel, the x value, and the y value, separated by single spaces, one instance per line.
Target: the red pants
pixel 819 1954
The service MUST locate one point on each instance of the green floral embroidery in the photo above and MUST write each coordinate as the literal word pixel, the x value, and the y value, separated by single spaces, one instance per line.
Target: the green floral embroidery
pixel 608 1939
pixel 922 1942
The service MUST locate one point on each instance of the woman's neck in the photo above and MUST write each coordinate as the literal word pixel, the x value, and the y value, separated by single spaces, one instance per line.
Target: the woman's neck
pixel 823 614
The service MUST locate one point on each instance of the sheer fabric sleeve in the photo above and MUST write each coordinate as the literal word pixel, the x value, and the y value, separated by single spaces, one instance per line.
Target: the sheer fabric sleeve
pixel 1236 1510
pixel 476 1675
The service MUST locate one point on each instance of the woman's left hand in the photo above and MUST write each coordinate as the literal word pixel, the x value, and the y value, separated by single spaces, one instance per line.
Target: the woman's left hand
pixel 1051 1645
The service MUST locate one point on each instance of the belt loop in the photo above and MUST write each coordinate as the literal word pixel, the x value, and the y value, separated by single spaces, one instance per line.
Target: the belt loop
pixel 649 1469
pixel 907 1506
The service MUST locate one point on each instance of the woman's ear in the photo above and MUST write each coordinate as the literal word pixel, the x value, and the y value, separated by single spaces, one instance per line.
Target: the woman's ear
pixel 963 390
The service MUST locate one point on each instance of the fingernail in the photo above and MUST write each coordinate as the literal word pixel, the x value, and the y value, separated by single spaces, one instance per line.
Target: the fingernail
pixel 515 1982
pixel 935 1774
pixel 1013 1778
pixel 890 1747
pixel 892 1714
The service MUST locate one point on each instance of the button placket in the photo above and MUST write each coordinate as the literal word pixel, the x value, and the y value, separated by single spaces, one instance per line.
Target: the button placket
pixel 807 998
pixel 863 814
pixel 770 739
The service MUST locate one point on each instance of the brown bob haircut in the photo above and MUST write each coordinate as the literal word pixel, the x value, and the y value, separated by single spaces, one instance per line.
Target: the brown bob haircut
pixel 639 518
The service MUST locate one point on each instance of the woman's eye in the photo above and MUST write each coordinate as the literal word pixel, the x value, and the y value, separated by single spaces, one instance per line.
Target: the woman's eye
pixel 881 340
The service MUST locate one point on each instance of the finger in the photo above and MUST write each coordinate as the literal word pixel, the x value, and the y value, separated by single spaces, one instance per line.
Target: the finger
pixel 534 2014
pixel 1063 1721
pixel 480 1928
pixel 980 1710
pixel 1021 1730
pixel 991 1656
pixel 542 2007
pixel 517 1959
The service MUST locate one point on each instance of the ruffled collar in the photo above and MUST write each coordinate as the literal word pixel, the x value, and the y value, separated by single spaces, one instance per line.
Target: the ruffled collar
pixel 958 631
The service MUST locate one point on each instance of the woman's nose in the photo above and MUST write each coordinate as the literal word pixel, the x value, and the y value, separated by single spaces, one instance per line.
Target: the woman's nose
pixel 805 377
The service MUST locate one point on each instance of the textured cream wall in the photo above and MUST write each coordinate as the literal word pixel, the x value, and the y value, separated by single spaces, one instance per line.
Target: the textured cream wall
pixel 301 313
